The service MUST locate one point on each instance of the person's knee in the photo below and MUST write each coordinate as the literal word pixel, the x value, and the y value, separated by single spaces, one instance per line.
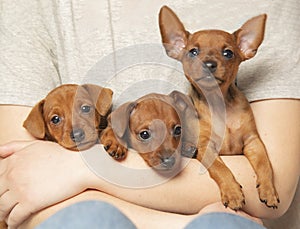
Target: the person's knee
pixel 223 220
pixel 88 214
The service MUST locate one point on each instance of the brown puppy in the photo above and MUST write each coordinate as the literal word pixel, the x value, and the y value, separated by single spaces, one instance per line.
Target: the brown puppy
pixel 71 115
pixel 210 60
pixel 153 126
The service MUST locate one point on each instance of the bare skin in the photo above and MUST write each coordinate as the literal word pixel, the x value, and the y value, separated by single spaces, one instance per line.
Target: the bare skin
pixel 277 122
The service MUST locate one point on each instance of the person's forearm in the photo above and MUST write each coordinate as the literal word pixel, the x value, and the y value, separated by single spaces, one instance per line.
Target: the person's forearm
pixel 190 191
pixel 159 198
pixel 11 123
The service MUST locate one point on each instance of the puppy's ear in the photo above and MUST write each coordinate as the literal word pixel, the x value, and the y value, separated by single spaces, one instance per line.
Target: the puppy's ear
pixel 35 123
pixel 102 97
pixel 189 119
pixel 119 118
pixel 250 36
pixel 182 102
pixel 173 34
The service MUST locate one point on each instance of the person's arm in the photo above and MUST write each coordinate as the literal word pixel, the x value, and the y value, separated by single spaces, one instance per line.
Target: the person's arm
pixel 279 126
pixel 11 122
pixel 42 164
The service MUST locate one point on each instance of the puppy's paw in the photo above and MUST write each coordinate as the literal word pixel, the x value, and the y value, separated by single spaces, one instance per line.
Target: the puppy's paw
pixel 116 151
pixel 113 147
pixel 268 195
pixel 233 196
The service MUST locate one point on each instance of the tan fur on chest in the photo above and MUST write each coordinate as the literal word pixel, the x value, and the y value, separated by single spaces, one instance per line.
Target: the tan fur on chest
pixel 210 60
pixel 233 139
pixel 227 127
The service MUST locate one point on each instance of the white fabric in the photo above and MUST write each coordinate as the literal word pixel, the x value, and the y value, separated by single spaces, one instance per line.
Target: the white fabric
pixel 46 43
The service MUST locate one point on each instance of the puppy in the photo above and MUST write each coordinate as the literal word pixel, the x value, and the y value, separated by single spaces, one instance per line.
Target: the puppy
pixel 71 115
pixel 210 60
pixel 153 126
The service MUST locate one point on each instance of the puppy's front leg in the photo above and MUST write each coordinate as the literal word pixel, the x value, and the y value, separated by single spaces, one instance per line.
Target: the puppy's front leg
pixel 256 153
pixel 231 191
pixel 116 149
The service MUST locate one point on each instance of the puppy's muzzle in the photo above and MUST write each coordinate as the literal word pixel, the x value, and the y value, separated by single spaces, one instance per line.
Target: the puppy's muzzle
pixel 77 135
pixel 168 162
pixel 211 65
pixel 207 74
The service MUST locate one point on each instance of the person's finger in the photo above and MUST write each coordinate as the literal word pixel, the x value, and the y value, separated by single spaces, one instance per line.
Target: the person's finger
pixel 12 147
pixel 17 215
pixel 3 191
pixel 7 203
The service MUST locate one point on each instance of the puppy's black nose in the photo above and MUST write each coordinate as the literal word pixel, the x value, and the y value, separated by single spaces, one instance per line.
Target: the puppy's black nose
pixel 211 65
pixel 168 162
pixel 77 135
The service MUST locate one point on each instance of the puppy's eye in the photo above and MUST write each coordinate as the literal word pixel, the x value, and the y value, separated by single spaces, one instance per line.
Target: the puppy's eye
pixel 193 52
pixel 144 135
pixel 228 54
pixel 85 108
pixel 177 130
pixel 55 119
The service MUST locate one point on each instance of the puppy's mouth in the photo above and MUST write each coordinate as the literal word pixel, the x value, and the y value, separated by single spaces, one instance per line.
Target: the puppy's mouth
pixel 203 76
pixel 210 79
pixel 163 163
pixel 166 163
pixel 207 82
pixel 81 145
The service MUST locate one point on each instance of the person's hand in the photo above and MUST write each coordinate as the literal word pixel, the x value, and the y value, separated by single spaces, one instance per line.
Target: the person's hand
pixel 34 175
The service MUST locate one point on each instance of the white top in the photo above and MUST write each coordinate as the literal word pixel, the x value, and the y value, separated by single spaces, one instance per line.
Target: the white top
pixel 117 44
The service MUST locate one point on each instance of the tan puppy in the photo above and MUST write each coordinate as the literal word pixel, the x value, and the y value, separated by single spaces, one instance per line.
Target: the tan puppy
pixel 154 126
pixel 210 60
pixel 71 115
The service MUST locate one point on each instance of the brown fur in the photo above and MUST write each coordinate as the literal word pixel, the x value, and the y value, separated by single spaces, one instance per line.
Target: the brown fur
pixel 157 114
pixel 211 71
pixel 77 129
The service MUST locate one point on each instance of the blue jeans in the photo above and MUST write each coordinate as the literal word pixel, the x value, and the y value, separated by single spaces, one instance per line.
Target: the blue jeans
pixel 96 214
pixel 88 215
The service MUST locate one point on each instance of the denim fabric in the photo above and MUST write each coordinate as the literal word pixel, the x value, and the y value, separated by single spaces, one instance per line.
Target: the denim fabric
pixel 222 220
pixel 96 214
pixel 88 215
